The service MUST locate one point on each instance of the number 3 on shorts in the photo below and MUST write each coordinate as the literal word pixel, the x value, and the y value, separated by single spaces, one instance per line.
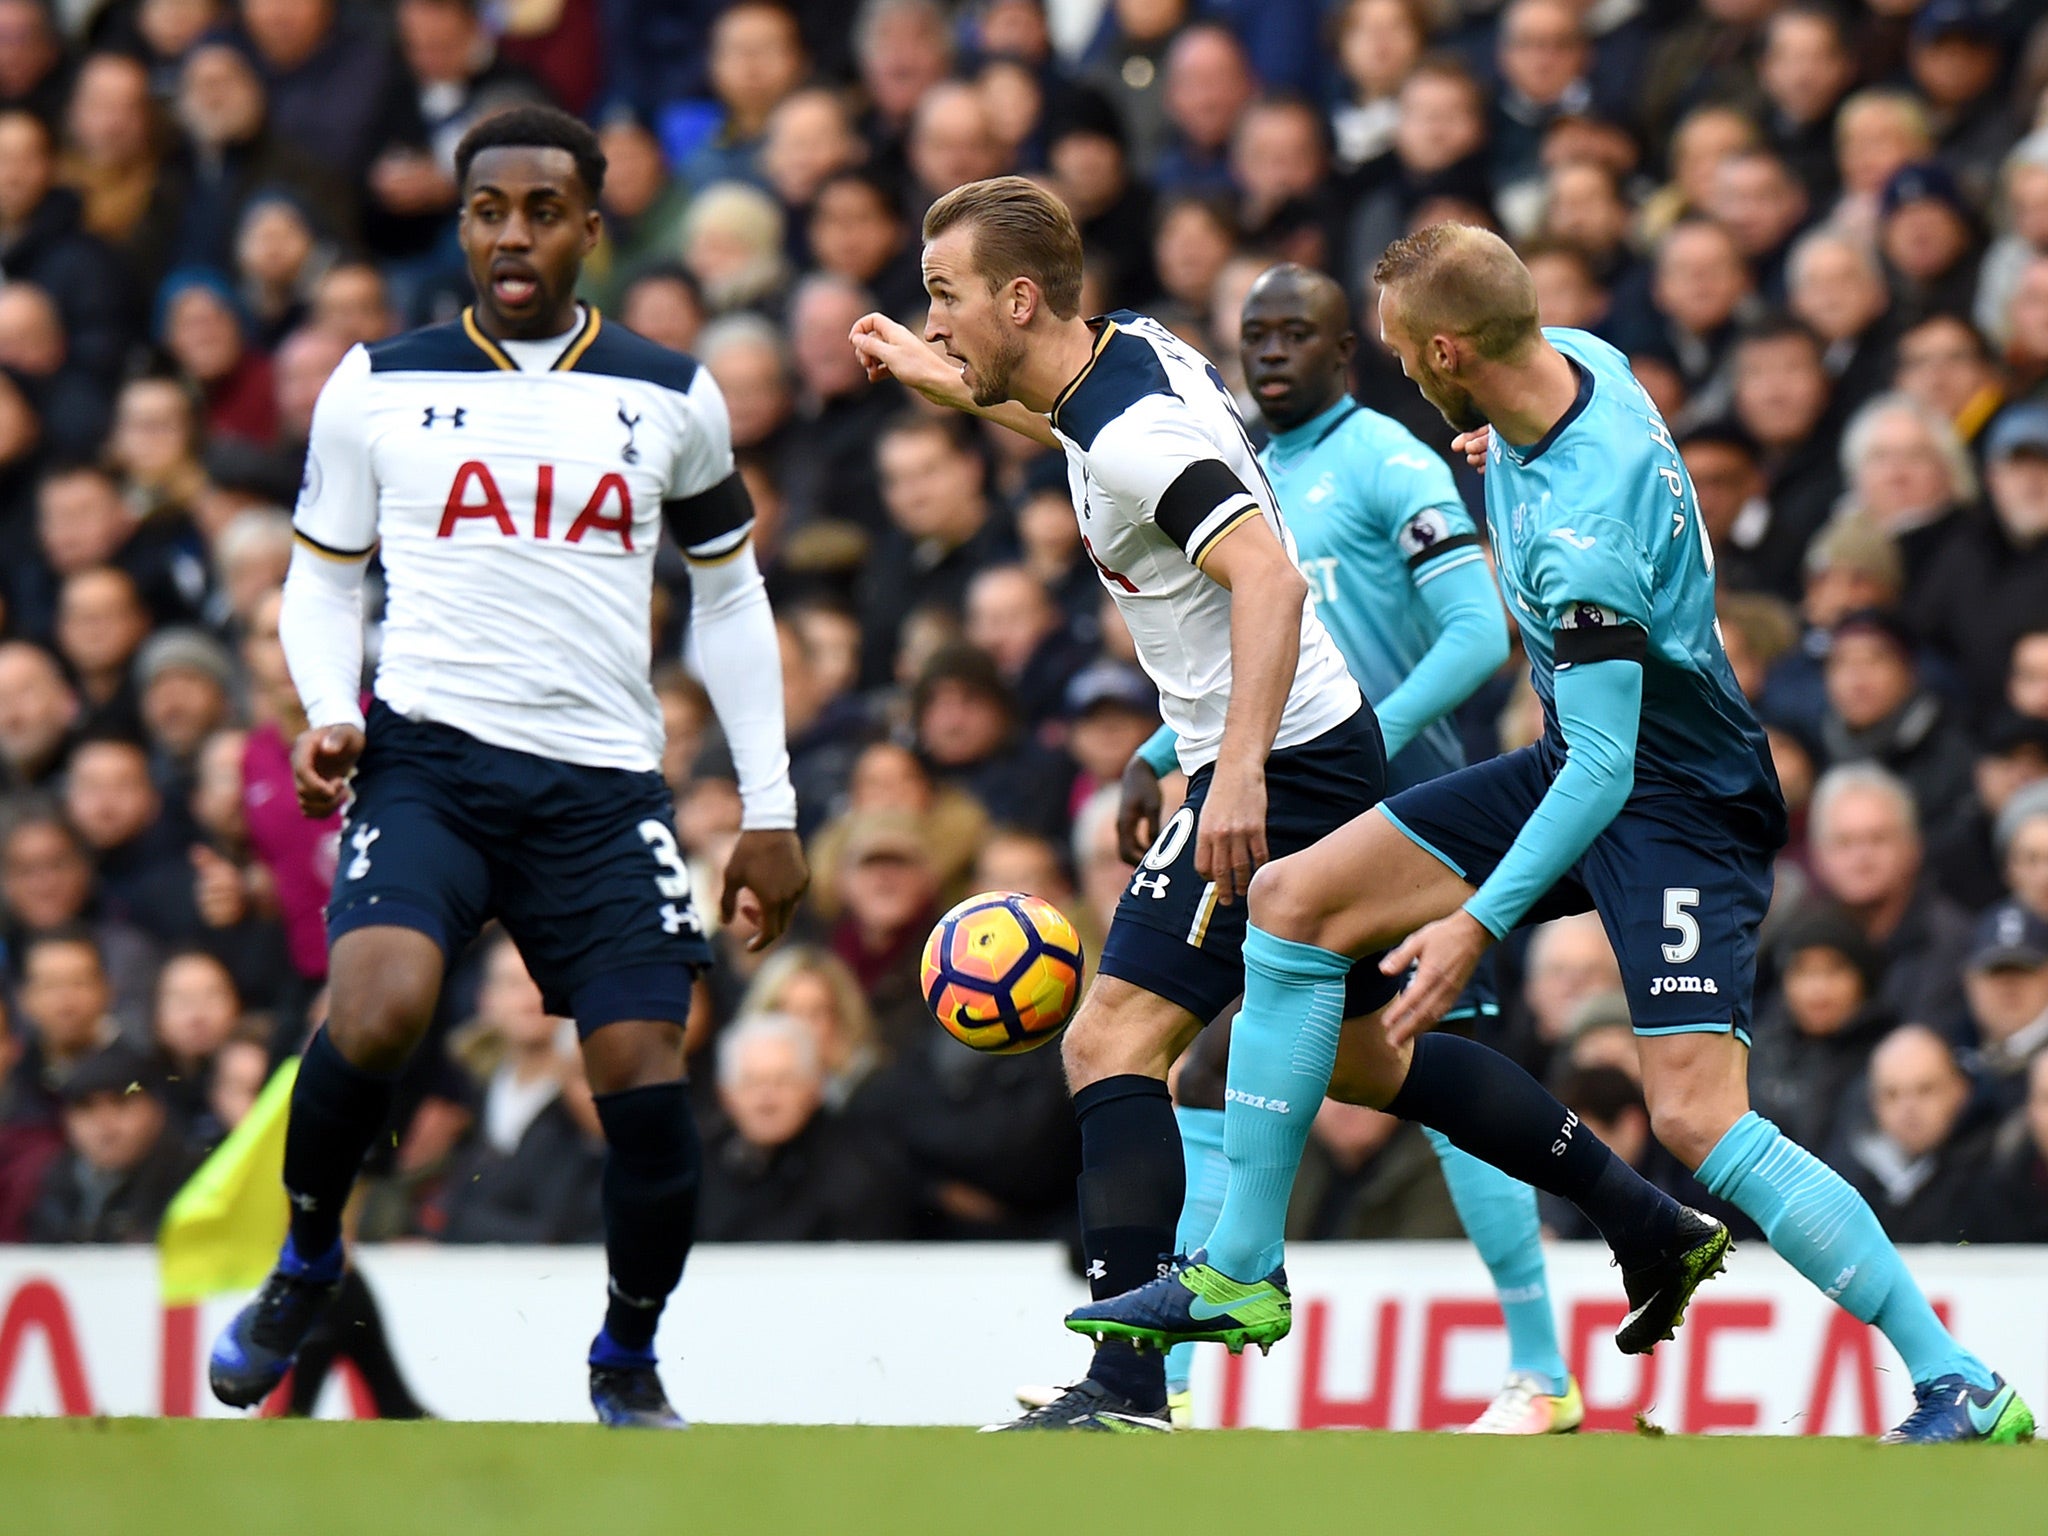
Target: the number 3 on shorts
pixel 1678 918
pixel 674 884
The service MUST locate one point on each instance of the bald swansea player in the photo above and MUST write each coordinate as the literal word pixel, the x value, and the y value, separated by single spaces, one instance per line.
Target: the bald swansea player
pixel 516 468
pixel 1650 799
pixel 1279 747
pixel 1398 577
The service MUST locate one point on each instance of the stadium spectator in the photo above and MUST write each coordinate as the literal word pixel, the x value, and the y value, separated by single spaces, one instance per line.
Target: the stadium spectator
pixel 1909 472
pixel 1868 856
pixel 1012 618
pixel 43 241
pixel 1944 363
pixel 39 713
pixel 1879 711
pixel 1780 394
pixel 124 1156
pixel 1567 961
pixel 789 1170
pixel 1963 852
pixel 1806 68
pixel 1835 285
pixel 47 886
pixel 2020 836
pixel 1367 1175
pixel 197 1010
pixel 969 729
pixel 1815 1036
pixel 1921 1162
pixel 814 987
pixel 756 59
pixel 29 1135
pixel 1990 579
pixel 65 998
pixel 2014 1199
pixel 2006 982
pixel 530 1169
pixel 326 73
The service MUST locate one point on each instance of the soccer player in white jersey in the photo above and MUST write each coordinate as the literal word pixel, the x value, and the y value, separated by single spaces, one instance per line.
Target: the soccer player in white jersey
pixel 1273 734
pixel 516 468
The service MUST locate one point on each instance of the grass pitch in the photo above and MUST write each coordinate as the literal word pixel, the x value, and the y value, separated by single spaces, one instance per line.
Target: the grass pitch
pixel 185 1478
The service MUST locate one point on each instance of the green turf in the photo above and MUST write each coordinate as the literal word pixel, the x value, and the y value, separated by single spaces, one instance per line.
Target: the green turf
pixel 112 1477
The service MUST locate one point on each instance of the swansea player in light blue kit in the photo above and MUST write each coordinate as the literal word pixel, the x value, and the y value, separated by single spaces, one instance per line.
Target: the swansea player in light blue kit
pixel 1399 579
pixel 1650 799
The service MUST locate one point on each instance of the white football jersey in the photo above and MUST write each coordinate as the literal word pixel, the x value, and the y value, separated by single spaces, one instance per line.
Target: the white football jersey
pixel 1160 470
pixel 518 513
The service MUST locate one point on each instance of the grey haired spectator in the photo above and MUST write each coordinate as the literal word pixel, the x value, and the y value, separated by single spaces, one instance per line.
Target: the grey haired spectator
pixel 787 1170
pixel 1868 855
pixel 1909 472
pixel 2020 836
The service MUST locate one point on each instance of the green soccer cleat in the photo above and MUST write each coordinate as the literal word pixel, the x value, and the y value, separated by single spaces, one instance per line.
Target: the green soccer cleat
pixel 1193 1303
pixel 1658 1293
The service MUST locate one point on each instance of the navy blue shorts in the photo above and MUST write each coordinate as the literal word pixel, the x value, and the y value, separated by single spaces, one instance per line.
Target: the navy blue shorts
pixel 1680 894
pixel 1173 938
pixel 580 864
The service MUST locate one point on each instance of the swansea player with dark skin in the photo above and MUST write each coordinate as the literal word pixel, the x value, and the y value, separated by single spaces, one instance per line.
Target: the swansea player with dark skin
pixel 506 767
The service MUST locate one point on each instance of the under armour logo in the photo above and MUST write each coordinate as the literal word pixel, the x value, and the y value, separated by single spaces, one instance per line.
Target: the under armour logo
pixel 1097 1270
pixel 301 1202
pixel 453 418
pixel 631 423
pixel 675 919
pixel 1156 888
pixel 359 866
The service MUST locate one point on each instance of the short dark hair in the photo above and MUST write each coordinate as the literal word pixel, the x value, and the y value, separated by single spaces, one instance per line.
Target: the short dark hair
pixel 535 127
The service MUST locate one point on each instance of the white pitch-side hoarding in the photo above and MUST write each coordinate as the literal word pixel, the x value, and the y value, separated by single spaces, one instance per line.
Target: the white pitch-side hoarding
pixel 1386 1336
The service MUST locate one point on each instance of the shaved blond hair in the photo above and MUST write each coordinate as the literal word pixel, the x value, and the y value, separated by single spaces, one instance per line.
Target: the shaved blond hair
pixel 1460 280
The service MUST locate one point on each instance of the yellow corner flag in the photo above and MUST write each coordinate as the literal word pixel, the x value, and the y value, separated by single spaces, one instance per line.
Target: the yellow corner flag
pixel 223 1230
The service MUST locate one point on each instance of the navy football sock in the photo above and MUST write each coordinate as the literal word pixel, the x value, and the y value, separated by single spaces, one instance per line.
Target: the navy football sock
pixel 651 1172
pixel 1500 1114
pixel 337 1111
pixel 1132 1183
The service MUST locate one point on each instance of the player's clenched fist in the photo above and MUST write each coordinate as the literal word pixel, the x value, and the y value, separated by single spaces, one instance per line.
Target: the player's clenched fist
pixel 322 760
pixel 888 350
pixel 769 865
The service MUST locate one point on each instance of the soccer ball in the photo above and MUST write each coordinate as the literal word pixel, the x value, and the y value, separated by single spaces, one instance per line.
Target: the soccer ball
pixel 1002 972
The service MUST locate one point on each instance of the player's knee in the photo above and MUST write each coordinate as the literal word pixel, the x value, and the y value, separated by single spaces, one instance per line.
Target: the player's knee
pixel 633 1053
pixel 1690 1125
pixel 381 999
pixel 1102 1042
pixel 1285 901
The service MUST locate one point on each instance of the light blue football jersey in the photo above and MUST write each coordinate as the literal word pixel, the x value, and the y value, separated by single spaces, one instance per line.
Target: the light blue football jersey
pixel 1375 517
pixel 1596 526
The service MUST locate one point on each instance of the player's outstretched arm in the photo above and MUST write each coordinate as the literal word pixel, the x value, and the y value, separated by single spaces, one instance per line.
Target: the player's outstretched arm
pixel 888 350
pixel 1599 711
pixel 1266 597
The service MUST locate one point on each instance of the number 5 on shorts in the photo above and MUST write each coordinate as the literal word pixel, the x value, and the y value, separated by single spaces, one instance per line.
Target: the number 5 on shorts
pixel 1678 918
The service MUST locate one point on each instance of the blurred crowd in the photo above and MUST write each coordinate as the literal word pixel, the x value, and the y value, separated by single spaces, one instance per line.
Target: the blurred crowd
pixel 1820 230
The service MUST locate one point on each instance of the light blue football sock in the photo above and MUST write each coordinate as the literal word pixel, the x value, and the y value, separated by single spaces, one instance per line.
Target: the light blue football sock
pixel 1201 1147
pixel 1499 1214
pixel 1283 1048
pixel 1825 1230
